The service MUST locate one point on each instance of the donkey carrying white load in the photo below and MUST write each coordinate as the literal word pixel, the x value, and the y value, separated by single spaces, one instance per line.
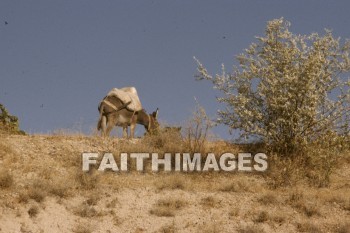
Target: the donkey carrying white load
pixel 122 107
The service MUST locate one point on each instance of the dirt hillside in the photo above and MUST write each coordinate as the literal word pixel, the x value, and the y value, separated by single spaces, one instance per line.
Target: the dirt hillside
pixel 43 189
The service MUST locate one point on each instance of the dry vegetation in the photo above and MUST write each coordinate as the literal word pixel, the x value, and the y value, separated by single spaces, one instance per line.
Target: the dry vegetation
pixel 42 189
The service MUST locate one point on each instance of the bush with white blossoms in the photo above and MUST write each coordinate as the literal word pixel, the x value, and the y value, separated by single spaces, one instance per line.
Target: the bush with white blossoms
pixel 288 91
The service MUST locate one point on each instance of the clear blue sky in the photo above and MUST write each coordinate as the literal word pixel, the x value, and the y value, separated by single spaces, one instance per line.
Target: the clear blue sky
pixel 58 59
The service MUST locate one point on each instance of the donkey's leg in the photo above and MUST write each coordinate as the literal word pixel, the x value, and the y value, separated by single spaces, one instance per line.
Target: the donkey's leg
pixel 110 124
pixel 103 125
pixel 132 130
pixel 125 131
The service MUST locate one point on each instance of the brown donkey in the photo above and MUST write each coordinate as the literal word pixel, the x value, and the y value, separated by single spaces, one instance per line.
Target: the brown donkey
pixel 113 112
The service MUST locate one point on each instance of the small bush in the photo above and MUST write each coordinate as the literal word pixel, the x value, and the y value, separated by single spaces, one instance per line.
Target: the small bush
pixel 8 123
pixel 267 96
pixel 198 130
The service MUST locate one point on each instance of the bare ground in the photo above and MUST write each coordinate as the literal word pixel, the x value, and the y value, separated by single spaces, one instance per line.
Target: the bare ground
pixel 42 189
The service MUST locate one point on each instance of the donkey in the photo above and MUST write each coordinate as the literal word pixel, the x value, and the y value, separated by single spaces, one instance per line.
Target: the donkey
pixel 113 112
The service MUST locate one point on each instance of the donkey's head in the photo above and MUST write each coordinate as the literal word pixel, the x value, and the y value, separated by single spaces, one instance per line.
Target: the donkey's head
pixel 153 125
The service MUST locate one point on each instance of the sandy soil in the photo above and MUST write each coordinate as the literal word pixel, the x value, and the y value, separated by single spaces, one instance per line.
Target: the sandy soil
pixel 42 189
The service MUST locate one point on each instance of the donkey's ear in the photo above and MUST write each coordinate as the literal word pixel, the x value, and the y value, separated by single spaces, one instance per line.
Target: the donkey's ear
pixel 155 114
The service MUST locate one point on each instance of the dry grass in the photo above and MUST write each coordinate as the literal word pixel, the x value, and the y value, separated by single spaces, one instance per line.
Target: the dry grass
pixel 168 228
pixel 279 218
pixel 60 190
pixel 265 216
pixel 39 189
pixel 167 207
pixel 167 140
pixel 171 182
pixel 308 227
pixel 309 209
pixel 82 228
pixel 234 212
pixel 342 228
pixel 251 229
pixel 341 199
pixel 92 199
pixel 112 204
pixel 210 202
pixel 6 179
pixel 5 150
pixel 309 167
pixel 346 205
pixel 298 201
pixel 262 216
pixel 24 228
pixel 210 228
pixel 85 211
pixel 268 199
pixel 238 186
pixel 288 176
pixel 55 180
pixel 33 211
pixel 117 221
pixel 87 180
pixel 295 196
pixel 37 195
pixel 198 131
pixel 162 212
